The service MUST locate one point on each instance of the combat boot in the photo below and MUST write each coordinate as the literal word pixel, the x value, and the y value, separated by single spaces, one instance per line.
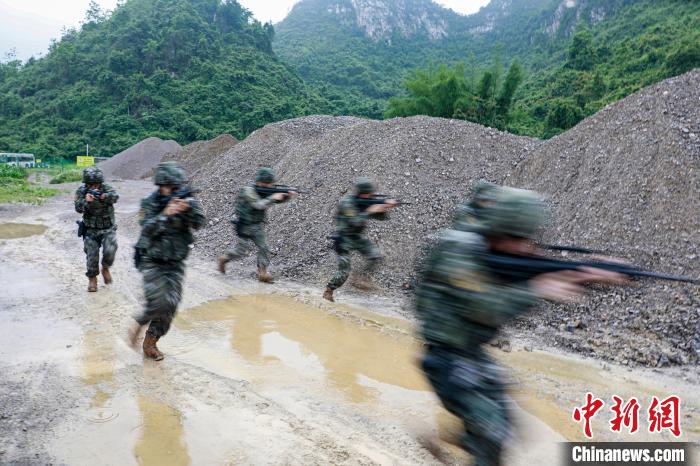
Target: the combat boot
pixel 263 276
pixel 92 284
pixel 328 295
pixel 223 260
pixel 150 350
pixel 106 276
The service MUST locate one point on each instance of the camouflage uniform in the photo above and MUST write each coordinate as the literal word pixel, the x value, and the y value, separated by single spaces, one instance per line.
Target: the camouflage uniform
pixel 250 213
pixel 251 209
pixel 164 245
pixel 101 228
pixel 461 306
pixel 351 222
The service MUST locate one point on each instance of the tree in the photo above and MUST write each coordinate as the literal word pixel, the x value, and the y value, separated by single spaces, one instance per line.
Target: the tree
pixel 582 54
pixel 505 98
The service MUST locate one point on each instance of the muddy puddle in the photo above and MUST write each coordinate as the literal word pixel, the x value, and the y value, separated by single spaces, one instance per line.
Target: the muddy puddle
pixel 20 230
pixel 263 337
pixel 309 365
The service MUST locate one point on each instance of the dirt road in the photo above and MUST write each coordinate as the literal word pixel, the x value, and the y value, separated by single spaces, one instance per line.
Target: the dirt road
pixel 254 374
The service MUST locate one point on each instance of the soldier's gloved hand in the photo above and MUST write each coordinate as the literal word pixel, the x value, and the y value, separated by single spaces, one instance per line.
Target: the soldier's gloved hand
pixel 558 286
pixel 566 285
pixel 378 208
pixel 89 197
pixel 279 197
pixel 183 205
pixel 103 196
pixel 175 207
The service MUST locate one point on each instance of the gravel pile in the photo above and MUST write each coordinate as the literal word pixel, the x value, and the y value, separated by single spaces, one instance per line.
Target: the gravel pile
pixel 427 161
pixel 138 160
pixel 627 181
pixel 198 155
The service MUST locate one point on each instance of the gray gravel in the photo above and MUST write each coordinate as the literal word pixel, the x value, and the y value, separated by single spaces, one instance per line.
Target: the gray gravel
pixel 138 160
pixel 200 154
pixel 625 180
pixel 429 162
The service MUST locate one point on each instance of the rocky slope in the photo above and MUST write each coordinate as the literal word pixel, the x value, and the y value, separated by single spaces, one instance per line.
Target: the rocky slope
pixel 429 162
pixel 626 180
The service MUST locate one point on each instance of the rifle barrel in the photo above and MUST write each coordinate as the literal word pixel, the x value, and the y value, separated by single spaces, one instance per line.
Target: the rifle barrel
pixel 525 268
pixel 577 249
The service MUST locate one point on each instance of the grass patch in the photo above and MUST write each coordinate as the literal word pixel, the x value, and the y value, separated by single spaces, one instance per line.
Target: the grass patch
pixel 67 176
pixel 15 188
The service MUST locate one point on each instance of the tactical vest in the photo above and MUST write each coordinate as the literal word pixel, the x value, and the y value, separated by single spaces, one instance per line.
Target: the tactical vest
pixel 98 214
pixel 245 212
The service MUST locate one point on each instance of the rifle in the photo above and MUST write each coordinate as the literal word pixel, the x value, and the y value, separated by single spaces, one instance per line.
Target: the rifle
pixel 182 193
pixel 576 249
pixel 376 199
pixel 95 192
pixel 522 268
pixel 278 188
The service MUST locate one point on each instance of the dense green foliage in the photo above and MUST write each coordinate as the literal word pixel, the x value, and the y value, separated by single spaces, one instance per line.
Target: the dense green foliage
pixel 16 173
pixel 193 69
pixel 575 60
pixel 644 43
pixel 448 93
pixel 177 69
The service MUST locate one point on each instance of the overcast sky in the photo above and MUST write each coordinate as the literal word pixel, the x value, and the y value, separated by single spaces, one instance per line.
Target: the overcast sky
pixel 29 25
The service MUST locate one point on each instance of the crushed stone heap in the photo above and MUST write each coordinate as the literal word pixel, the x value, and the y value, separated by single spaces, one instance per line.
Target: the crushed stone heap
pixel 199 154
pixel 427 161
pixel 627 181
pixel 138 160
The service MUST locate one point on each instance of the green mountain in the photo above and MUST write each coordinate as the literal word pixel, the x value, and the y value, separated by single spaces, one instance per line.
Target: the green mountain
pixel 578 55
pixel 178 69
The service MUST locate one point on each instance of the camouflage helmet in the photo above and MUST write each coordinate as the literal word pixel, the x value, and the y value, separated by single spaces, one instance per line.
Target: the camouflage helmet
pixel 364 185
pixel 265 175
pixel 93 175
pixel 169 174
pixel 467 214
pixel 513 212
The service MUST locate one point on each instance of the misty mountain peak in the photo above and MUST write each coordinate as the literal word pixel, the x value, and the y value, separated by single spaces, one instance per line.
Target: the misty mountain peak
pixel 383 20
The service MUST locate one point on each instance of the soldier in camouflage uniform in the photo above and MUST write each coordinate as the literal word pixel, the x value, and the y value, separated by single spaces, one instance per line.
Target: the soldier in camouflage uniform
pixel 251 207
pixel 462 305
pixel 164 244
pixel 350 222
pixel 95 200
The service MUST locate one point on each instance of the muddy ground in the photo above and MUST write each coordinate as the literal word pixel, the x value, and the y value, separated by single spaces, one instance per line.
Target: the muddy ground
pixel 254 374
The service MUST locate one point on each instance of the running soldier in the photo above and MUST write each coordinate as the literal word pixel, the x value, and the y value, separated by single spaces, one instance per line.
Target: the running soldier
pixel 95 200
pixel 167 219
pixel 351 221
pixel 462 303
pixel 251 207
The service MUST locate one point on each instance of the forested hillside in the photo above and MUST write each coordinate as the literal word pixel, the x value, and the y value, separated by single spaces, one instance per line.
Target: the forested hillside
pixel 577 55
pixel 178 69
pixel 193 69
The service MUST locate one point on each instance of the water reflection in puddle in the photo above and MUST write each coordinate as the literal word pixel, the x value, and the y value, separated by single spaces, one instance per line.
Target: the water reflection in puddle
pixel 269 334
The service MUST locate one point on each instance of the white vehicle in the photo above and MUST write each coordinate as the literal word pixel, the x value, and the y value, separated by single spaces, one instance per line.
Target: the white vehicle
pixel 17 160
